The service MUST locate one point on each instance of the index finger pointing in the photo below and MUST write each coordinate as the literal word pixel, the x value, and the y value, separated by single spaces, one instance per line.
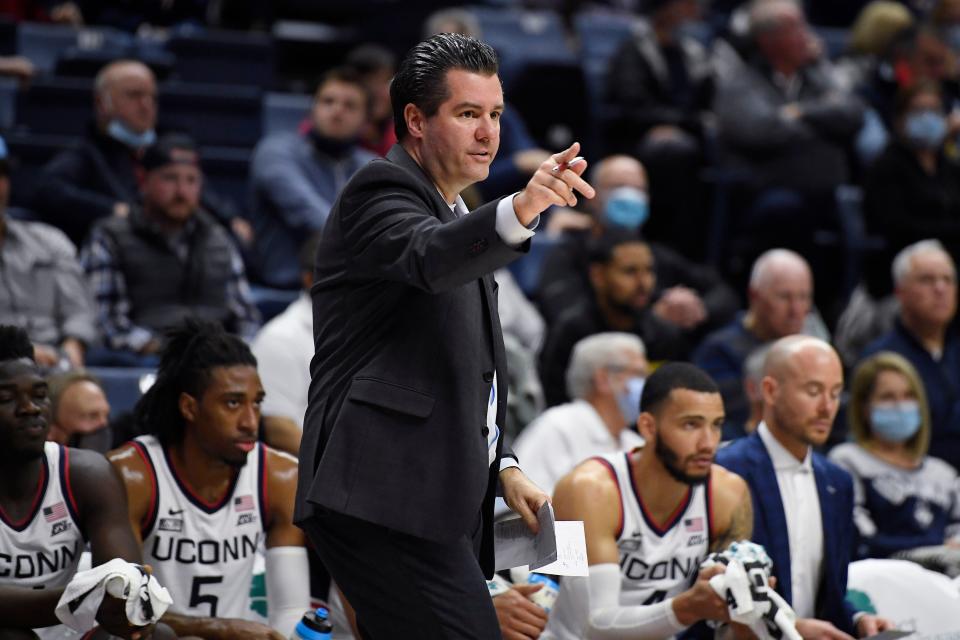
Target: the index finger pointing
pixel 567 154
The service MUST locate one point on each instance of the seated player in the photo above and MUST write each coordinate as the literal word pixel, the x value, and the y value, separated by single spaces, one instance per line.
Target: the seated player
pixel 53 501
pixel 204 494
pixel 651 516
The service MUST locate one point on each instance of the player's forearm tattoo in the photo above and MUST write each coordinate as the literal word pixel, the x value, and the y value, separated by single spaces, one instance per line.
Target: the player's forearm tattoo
pixel 741 526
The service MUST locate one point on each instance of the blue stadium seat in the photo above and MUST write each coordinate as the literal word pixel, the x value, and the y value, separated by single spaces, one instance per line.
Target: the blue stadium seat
pixel 226 169
pixel 59 106
pixel 835 40
pixel 43 44
pixel 215 115
pixel 272 302
pixel 223 57
pixel 31 151
pixel 123 386
pixel 86 63
pixel 284 111
pixel 601 34
pixel 523 37
pixel 8 102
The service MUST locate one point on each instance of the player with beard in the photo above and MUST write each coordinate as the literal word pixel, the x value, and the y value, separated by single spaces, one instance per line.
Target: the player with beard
pixel 204 494
pixel 76 492
pixel 651 516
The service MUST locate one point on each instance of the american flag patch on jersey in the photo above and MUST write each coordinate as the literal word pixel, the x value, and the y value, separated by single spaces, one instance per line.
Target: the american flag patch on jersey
pixel 243 503
pixel 55 512
pixel 693 525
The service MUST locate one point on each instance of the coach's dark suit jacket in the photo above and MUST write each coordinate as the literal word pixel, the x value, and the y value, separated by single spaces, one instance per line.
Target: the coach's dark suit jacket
pixel 748 457
pixel 407 342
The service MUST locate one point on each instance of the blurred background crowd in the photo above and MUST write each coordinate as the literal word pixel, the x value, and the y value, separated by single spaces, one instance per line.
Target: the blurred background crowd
pixel 763 168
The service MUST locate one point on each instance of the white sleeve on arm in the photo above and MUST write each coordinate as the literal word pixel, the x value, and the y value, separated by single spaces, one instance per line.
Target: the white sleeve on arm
pixel 288 587
pixel 508 226
pixel 609 620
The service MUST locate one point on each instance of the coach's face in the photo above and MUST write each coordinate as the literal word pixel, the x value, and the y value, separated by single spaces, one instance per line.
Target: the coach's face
pixel 458 142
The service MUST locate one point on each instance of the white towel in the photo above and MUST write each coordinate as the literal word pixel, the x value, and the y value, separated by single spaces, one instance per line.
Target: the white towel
pixel 745 585
pixel 146 600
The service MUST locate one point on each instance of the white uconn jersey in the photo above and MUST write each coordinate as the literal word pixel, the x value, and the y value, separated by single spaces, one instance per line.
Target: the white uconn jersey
pixel 42 551
pixel 656 561
pixel 204 553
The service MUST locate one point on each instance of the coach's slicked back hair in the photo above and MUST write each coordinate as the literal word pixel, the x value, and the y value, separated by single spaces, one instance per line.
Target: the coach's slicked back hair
pixel 193 349
pixel 14 343
pixel 421 78
pixel 674 375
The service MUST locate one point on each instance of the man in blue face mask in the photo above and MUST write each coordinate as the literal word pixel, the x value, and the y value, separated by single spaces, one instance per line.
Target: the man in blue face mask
pixel 690 296
pixel 98 178
pixel 605 379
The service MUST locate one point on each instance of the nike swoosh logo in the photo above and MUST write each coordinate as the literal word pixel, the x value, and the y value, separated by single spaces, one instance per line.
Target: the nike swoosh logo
pixel 174 513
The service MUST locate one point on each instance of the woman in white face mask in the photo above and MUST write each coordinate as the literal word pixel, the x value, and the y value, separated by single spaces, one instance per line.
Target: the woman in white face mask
pixel 907 503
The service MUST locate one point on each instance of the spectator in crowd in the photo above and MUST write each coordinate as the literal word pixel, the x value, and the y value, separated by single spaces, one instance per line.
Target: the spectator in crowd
pixel 204 495
pixel 666 505
pixel 879 24
pixel 605 379
pixel 296 177
pixel 925 283
pixel 283 348
pixel 918 54
pixel 912 191
pixel 80 412
pixel 904 499
pixel 780 297
pixel 165 261
pixel 660 87
pixel 98 178
pixel 782 115
pixel 945 15
pixel 798 491
pixel 43 289
pixel 752 389
pixel 82 502
pixel 623 277
pixel 785 122
pixel 519 155
pixel 688 295
pixel 375 65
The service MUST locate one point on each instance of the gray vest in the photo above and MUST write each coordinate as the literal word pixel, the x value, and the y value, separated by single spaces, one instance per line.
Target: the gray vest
pixel 163 289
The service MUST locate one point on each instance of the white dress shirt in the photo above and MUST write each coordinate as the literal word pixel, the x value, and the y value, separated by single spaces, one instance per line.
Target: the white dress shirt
pixel 513 233
pixel 801 506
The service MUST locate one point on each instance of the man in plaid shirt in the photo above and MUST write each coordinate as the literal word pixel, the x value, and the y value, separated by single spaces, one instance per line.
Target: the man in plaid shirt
pixel 166 260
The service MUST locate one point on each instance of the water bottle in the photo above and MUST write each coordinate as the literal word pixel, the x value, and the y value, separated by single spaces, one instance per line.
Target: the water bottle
pixel 547 594
pixel 314 625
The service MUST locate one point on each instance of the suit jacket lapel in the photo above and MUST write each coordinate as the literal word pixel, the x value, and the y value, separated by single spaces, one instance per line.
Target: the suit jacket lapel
pixel 399 156
pixel 774 519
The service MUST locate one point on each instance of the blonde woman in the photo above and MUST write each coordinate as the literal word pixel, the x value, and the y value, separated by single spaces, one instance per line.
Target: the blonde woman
pixel 906 503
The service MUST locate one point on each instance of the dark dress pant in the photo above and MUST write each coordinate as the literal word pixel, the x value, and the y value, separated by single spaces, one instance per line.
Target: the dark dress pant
pixel 403 586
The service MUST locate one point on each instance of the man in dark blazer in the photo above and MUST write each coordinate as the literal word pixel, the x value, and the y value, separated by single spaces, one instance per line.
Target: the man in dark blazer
pixel 401 456
pixel 802 503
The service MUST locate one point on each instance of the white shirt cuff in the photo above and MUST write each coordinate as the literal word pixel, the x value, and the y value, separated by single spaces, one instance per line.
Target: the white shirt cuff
pixel 508 226
pixel 506 462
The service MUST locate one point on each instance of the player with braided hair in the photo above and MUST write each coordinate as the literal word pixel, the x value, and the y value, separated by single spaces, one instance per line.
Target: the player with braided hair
pixel 204 494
